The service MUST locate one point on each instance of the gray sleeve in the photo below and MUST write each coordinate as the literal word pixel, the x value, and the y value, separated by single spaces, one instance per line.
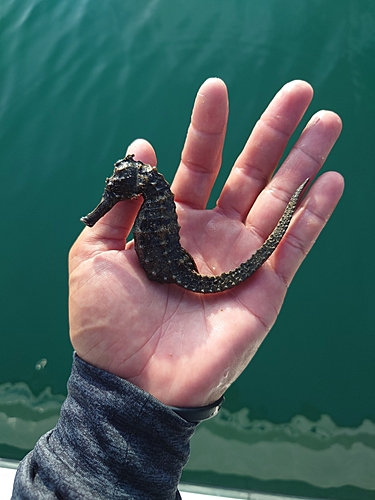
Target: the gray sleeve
pixel 112 441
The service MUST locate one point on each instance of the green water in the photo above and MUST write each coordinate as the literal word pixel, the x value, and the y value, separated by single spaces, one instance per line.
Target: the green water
pixel 78 82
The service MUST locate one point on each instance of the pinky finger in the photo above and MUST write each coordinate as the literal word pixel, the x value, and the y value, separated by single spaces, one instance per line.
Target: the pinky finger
pixel 312 216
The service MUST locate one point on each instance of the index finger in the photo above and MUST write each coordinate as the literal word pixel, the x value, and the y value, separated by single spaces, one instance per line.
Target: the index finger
pixel 201 156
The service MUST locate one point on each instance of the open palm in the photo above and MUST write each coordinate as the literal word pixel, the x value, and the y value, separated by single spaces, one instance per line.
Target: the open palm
pixel 187 348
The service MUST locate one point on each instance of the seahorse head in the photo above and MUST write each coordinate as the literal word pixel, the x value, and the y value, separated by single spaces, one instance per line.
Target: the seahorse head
pixel 123 183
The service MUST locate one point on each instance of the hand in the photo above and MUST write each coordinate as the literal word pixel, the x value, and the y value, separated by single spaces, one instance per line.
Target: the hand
pixel 185 348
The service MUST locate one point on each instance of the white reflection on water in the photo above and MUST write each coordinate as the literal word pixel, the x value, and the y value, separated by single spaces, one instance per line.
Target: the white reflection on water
pixel 25 417
pixel 320 453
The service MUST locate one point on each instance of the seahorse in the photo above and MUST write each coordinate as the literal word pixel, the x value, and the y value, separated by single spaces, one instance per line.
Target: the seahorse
pixel 156 230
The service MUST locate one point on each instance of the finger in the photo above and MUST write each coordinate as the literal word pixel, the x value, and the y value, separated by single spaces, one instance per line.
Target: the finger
pixel 143 151
pixel 111 231
pixel 304 161
pixel 309 221
pixel 263 150
pixel 201 156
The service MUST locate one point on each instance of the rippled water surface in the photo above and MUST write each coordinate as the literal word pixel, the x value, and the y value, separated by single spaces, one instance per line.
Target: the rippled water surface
pixel 78 82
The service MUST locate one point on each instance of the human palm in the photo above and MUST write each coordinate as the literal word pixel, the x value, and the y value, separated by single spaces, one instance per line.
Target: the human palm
pixel 187 348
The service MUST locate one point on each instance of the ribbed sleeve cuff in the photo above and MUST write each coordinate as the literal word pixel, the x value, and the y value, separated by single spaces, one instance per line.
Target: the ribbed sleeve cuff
pixel 112 440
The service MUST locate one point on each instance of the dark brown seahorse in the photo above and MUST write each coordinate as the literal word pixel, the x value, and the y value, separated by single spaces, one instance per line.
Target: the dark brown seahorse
pixel 156 230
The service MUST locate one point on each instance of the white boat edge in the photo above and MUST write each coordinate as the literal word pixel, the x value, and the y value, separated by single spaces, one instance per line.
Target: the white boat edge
pixel 188 491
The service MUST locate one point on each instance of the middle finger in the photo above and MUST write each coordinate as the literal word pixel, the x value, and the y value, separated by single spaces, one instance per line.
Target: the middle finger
pixel 262 152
